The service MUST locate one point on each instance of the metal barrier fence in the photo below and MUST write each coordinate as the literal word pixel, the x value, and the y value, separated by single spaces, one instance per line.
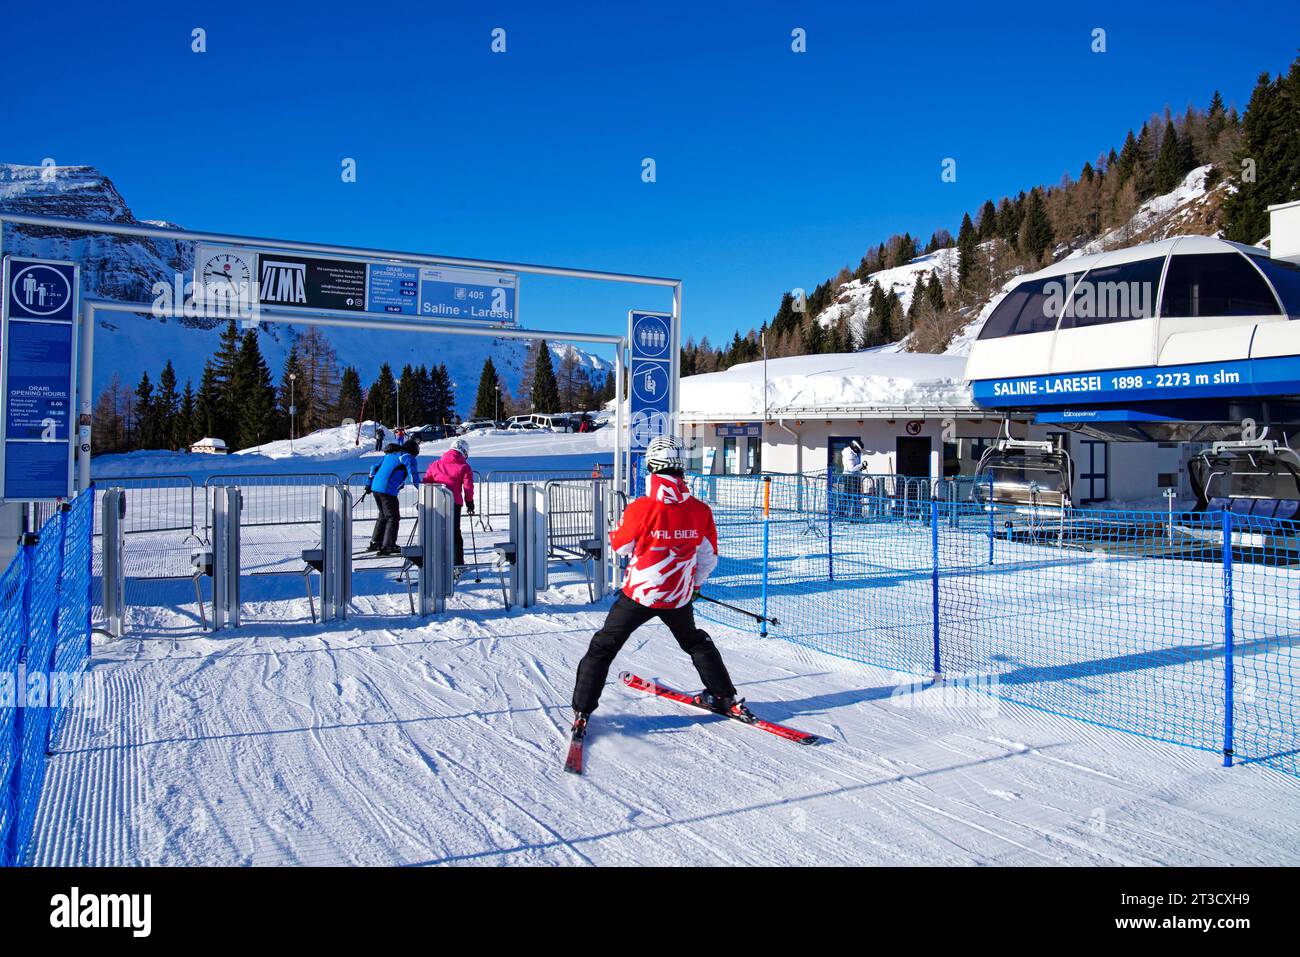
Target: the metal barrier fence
pixel 493 495
pixel 168 503
pixel 570 505
pixel 44 630
pixel 1181 628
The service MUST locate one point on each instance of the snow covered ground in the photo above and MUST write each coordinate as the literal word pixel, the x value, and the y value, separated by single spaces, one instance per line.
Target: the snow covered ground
pixel 388 740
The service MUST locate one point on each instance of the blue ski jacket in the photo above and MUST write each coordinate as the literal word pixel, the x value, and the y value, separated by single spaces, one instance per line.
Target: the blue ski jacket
pixel 394 471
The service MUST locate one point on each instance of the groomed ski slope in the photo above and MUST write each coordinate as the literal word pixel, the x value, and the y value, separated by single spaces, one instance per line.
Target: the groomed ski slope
pixel 385 740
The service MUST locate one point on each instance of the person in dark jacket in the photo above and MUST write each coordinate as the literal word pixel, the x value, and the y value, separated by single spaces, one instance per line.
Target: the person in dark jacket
pixel 397 468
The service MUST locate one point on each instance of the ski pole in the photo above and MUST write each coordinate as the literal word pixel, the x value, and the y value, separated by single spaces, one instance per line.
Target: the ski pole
pixel 741 611
pixel 473 547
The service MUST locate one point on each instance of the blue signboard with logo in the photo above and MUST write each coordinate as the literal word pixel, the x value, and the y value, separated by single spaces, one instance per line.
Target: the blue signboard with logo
pixel 393 288
pixel 38 361
pixel 651 389
pixel 468 295
pixel 1204 380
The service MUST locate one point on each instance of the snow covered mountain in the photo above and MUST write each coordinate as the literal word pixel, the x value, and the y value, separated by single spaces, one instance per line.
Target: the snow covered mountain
pixel 125 268
pixel 854 298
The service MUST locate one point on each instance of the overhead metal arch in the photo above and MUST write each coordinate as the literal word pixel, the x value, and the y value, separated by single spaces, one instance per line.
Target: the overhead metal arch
pixel 85 397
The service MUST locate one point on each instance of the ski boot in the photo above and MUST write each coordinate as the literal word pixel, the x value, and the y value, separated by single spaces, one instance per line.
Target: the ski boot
pixel 372 547
pixel 730 706
pixel 579 728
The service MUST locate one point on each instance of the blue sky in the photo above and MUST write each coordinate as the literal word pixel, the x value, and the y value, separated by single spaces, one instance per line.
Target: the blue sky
pixel 773 168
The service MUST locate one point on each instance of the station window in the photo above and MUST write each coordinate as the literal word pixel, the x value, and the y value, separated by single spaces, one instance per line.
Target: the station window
pixel 1033 306
pixel 1285 277
pixel 1116 293
pixel 1167 479
pixel 1215 284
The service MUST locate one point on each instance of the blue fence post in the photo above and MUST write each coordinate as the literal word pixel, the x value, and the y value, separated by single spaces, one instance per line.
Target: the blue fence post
pixel 55 619
pixel 830 524
pixel 1227 639
pixel 767 522
pixel 992 514
pixel 934 581
pixel 15 838
pixel 90 562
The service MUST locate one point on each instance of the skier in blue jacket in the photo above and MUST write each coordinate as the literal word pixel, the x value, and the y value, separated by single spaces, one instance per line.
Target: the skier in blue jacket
pixel 397 468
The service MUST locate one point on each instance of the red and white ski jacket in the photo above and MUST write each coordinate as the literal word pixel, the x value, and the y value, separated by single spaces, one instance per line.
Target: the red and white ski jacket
pixel 673 543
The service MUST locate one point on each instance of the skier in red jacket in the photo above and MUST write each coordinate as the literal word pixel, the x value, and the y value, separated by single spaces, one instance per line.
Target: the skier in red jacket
pixel 674 546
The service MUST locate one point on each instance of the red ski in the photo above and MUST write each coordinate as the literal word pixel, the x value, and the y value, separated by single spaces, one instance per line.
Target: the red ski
pixel 573 763
pixel 693 701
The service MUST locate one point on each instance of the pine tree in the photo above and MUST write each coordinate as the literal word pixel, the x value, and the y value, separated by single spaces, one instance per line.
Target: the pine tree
pixel 381 399
pixel 1036 235
pixel 166 408
pixel 544 395
pixel 207 410
pixel 255 394
pixel 1270 150
pixel 1172 163
pixel 934 293
pixel 226 412
pixel 146 430
pixel 350 395
pixel 485 399
pixel 1216 118
pixel 972 273
pixel 442 395
pixel 1126 164
pixel 183 430
pixel 607 391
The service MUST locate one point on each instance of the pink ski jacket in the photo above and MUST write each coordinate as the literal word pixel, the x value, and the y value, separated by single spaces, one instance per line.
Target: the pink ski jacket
pixel 454 472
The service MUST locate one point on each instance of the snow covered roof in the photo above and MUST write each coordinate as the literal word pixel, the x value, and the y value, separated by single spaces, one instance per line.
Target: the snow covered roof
pixel 873 384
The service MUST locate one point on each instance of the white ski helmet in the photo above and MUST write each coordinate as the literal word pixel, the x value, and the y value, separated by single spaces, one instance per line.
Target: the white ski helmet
pixel 461 446
pixel 664 452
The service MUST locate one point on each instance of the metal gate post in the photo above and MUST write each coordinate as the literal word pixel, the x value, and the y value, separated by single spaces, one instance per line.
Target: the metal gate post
pixel 225 506
pixel 600 541
pixel 541 539
pixel 436 549
pixel 336 552
pixel 523 536
pixel 113 514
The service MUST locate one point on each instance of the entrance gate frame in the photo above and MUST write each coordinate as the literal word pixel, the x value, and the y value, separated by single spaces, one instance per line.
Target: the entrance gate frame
pixel 90 308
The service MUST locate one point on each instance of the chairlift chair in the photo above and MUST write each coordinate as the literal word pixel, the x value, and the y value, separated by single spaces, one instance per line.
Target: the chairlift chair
pixel 1025 477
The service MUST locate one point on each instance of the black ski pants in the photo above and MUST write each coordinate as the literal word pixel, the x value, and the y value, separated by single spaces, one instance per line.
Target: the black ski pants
pixel 626 617
pixel 385 533
pixel 459 558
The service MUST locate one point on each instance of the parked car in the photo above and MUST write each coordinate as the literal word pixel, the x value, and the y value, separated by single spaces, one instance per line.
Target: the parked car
pixel 431 433
pixel 473 425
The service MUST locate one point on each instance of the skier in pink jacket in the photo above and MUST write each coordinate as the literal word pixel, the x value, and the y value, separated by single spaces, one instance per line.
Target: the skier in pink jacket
pixel 452 471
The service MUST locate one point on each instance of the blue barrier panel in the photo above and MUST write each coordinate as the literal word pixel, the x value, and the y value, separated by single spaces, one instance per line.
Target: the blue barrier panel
pixel 44 645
